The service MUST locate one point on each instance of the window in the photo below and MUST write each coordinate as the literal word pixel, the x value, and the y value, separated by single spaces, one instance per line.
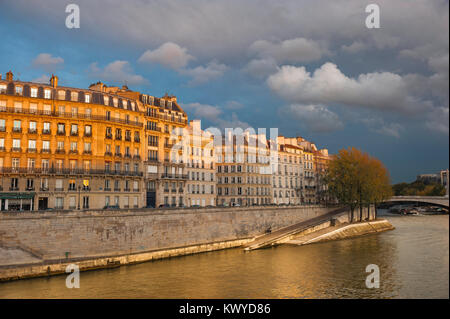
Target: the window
pixel 19 90
pixel 106 99
pixel 73 146
pixel 61 95
pixel 74 96
pixel 47 94
pixel 34 92
pixel 74 129
pixel 61 109
pixel 61 128
pixel 16 144
pixel 87 147
pixel 88 130
pixel 87 98
pixel 59 202
pixel 46 145
pixel 18 107
pixel 2 105
pixel 88 113
pixel 32 144
pixel 47 109
pixel 17 126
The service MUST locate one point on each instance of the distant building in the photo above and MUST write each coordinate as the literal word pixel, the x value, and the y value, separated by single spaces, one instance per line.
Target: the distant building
pixel 429 178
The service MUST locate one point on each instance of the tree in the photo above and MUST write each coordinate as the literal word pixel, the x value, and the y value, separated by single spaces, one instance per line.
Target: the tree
pixel 357 180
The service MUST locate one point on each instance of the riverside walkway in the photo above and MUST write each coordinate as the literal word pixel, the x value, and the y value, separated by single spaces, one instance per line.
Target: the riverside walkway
pixel 274 237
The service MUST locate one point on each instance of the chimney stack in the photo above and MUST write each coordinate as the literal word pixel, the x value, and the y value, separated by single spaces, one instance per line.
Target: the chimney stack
pixel 9 76
pixel 54 81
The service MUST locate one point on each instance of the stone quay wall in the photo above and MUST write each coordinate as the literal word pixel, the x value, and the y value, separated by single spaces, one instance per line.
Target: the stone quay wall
pixel 61 237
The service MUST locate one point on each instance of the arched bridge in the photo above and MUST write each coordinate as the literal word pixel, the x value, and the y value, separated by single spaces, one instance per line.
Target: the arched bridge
pixel 433 200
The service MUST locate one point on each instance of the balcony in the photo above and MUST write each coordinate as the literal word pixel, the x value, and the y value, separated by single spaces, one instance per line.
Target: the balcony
pixel 60 151
pixel 117 189
pixel 46 132
pixel 16 149
pixel 107 189
pixel 137 140
pixel 87 134
pixel 137 157
pixel 31 150
pixel 59 189
pixel 126 189
pixel 14 188
pixel 87 152
pixel 128 138
pixel 17 130
pixel 135 190
pixel 107 153
pixel 118 155
pixel 73 151
pixel 2 149
pixel 45 151
pixel 108 136
pixel 127 155
pixel 73 133
pixel 61 133
pixel 32 131
pixel 2 129
pixel 118 137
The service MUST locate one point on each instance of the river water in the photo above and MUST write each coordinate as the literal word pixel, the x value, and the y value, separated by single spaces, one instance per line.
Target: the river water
pixel 413 260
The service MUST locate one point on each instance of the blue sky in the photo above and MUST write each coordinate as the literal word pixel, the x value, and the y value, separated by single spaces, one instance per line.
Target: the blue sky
pixel 309 68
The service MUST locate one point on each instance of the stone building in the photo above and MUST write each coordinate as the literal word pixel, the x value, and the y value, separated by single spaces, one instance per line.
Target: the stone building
pixel 102 147
pixel 68 148
pixel 243 170
pixel 287 172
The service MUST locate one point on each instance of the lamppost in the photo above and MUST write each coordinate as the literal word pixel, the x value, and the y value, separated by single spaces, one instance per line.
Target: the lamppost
pixel 79 196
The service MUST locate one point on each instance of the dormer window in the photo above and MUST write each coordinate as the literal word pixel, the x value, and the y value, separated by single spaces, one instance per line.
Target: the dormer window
pixel 47 94
pixel 133 106
pixel 125 104
pixel 2 88
pixel 87 98
pixel 61 95
pixel 106 99
pixel 19 90
pixel 74 96
pixel 115 101
pixel 162 103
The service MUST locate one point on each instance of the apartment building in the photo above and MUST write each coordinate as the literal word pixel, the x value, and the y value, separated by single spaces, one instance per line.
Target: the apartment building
pixel 321 162
pixel 201 171
pixel 165 171
pixel 243 170
pixel 287 172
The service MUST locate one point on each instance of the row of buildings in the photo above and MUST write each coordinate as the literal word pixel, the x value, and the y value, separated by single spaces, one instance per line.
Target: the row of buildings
pixel 111 147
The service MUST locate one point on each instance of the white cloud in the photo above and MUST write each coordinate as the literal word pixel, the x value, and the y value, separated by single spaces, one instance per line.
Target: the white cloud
pixel 44 78
pixel 119 72
pixel 169 54
pixel 202 74
pixel 438 120
pixel 261 68
pixel 215 115
pixel 47 62
pixel 379 90
pixel 355 47
pixel 316 118
pixel 289 51
pixel 378 125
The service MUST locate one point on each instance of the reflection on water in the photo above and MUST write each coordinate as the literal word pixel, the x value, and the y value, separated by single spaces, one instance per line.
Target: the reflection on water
pixel 413 261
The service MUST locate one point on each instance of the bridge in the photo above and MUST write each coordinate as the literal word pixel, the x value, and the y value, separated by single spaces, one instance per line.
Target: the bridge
pixel 432 200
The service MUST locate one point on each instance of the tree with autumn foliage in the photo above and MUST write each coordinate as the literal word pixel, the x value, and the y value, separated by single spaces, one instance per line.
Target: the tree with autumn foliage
pixel 357 180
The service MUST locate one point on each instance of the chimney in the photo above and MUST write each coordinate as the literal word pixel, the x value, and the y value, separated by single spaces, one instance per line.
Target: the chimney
pixel 9 76
pixel 54 81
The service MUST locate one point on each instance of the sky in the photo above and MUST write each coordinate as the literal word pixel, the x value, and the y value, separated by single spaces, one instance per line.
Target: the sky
pixel 309 68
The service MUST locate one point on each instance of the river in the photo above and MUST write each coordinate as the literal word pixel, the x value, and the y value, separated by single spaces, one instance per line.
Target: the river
pixel 413 260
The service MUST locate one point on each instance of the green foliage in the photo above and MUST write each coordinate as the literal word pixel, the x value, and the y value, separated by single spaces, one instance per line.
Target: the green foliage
pixel 418 188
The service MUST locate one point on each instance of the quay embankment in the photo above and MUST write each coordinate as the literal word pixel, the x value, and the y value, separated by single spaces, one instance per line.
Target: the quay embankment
pixel 34 244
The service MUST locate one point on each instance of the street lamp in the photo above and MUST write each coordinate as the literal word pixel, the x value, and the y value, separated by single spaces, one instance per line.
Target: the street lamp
pixel 79 196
